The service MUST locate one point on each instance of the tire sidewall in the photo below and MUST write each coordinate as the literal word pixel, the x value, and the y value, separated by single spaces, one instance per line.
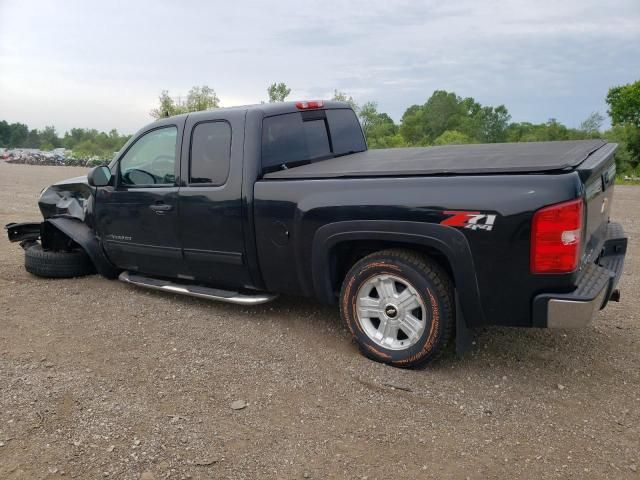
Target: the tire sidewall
pixel 428 343
pixel 57 264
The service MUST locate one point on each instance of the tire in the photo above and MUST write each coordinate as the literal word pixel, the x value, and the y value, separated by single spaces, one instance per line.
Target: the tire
pixel 54 264
pixel 398 306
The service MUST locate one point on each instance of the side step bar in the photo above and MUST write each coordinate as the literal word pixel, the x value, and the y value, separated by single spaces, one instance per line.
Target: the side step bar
pixel 195 290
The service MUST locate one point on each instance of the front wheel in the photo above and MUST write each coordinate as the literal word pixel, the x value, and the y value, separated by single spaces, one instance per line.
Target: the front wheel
pixel 398 306
pixel 57 264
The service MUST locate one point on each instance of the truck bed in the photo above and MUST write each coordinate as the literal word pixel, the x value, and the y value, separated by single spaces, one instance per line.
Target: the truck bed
pixel 489 158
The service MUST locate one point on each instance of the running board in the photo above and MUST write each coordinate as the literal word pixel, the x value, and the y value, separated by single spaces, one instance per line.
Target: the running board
pixel 195 290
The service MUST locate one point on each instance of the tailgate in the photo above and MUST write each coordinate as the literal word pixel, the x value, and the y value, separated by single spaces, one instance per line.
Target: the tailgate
pixel 598 177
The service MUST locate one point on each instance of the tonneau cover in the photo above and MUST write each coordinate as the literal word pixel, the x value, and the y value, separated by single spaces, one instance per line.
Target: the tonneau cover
pixel 527 157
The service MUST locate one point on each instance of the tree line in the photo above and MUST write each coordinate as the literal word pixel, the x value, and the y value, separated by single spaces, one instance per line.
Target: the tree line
pixel 445 118
pixel 83 142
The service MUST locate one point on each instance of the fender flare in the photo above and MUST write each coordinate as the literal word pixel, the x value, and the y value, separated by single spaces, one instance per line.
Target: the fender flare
pixel 447 240
pixel 84 236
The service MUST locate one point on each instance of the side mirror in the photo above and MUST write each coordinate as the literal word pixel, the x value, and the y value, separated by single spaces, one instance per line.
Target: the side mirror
pixel 99 176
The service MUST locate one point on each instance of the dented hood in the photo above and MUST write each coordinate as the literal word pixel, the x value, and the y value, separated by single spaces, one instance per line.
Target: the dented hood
pixel 69 198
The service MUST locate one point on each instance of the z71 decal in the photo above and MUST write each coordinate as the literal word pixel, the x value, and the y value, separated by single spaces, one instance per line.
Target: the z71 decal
pixel 470 220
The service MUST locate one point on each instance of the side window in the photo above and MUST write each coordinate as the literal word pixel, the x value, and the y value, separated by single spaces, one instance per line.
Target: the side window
pixel 292 139
pixel 283 140
pixel 345 131
pixel 210 157
pixel 151 159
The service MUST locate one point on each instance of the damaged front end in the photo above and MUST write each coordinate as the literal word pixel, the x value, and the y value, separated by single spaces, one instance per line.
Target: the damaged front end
pixel 72 198
pixel 26 233
pixel 68 226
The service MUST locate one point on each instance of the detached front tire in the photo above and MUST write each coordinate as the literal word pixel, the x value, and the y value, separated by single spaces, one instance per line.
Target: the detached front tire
pixel 398 306
pixel 57 264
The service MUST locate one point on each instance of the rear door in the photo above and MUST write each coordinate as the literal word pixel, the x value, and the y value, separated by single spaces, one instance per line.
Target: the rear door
pixel 137 217
pixel 210 204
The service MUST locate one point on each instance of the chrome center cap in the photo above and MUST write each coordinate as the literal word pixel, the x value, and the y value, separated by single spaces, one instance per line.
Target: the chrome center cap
pixel 391 311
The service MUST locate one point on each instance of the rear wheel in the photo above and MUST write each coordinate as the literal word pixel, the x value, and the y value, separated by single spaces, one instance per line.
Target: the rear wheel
pixel 57 264
pixel 398 306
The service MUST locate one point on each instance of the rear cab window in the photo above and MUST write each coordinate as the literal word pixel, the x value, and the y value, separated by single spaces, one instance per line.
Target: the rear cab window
pixel 299 138
pixel 210 155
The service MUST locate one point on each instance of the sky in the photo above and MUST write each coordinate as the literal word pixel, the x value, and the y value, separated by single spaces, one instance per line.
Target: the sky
pixel 102 65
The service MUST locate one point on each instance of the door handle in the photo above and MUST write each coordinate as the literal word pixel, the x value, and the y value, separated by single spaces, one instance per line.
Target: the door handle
pixel 160 208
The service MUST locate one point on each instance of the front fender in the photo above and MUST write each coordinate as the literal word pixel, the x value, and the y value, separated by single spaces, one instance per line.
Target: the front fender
pixel 447 240
pixel 84 236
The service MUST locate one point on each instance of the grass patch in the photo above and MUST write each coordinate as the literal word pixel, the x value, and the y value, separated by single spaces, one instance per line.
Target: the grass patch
pixel 627 181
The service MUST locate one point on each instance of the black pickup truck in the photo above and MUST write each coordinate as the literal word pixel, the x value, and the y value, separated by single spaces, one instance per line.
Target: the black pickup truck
pixel 416 245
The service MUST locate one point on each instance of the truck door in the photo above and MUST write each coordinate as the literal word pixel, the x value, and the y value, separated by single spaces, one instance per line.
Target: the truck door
pixel 210 199
pixel 136 218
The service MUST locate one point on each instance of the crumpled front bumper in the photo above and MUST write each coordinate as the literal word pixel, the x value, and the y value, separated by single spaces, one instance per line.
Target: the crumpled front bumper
pixel 23 232
pixel 596 286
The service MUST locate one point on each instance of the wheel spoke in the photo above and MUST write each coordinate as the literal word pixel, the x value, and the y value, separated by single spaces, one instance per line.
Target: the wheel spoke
pixel 370 307
pixel 410 325
pixel 387 332
pixel 408 301
pixel 386 288
pixel 382 329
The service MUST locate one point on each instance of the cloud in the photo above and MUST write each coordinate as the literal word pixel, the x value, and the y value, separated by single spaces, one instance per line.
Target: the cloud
pixel 103 64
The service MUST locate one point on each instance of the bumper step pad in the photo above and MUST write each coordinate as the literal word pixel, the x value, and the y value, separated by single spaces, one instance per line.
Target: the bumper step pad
pixel 596 284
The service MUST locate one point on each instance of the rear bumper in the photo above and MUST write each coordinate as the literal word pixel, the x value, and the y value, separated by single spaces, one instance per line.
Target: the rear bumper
pixel 596 286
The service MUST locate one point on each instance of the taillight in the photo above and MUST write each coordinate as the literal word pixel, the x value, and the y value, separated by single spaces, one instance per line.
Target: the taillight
pixel 310 105
pixel 556 235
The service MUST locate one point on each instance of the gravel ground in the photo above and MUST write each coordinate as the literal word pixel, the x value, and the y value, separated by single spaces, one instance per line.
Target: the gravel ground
pixel 99 379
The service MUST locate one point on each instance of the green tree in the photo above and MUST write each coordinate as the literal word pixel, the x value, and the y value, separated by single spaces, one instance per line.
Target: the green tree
pixel 452 137
pixel 49 138
pixel 624 104
pixel 556 130
pixel 278 92
pixel 167 108
pixel 33 139
pixel 379 128
pixel 422 124
pixel 411 127
pixel 624 110
pixel 443 111
pixel 343 97
pixel 18 134
pixel 492 124
pixel 198 99
pixel 591 125
pixel 82 142
pixel 628 140
pixel 368 115
pixel 72 137
pixel 543 132
pixel 13 134
pixel 5 133
pixel 202 98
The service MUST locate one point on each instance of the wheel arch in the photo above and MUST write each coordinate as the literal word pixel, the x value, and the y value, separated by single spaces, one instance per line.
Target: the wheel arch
pixel 447 245
pixel 84 236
